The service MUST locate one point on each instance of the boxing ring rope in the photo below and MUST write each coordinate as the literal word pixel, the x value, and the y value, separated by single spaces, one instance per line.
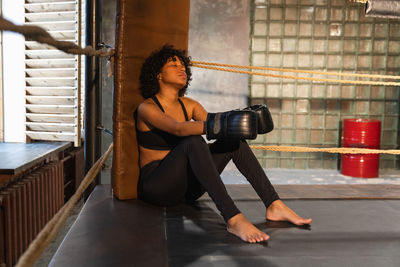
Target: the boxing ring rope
pixel 41 241
pixel 341 150
pixel 40 35
pixel 297 77
pixel 376 76
pixel 335 150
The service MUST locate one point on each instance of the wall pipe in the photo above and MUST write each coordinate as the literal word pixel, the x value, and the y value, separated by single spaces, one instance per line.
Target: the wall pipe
pixel 92 143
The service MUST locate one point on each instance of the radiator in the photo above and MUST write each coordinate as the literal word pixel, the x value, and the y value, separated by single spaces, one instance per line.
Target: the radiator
pixel 26 206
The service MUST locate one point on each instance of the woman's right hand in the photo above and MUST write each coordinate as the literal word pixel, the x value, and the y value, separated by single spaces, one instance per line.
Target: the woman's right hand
pixel 232 125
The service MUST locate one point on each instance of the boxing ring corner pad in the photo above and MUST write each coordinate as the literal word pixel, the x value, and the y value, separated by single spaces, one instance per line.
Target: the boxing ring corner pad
pixel 138 20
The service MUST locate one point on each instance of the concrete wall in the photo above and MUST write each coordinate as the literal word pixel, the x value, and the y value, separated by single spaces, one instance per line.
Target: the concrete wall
pixel 219 32
pixel 108 37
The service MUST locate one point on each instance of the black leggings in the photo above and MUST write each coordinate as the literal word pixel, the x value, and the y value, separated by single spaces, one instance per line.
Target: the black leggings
pixel 193 167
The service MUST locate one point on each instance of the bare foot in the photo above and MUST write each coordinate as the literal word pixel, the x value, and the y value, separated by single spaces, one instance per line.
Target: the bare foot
pixel 278 211
pixel 245 230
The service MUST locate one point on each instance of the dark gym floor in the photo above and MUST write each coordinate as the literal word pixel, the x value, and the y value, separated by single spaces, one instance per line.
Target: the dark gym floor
pixel 344 232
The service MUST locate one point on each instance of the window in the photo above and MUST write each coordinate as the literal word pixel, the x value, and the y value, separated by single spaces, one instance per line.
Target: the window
pixel 328 36
pixel 54 80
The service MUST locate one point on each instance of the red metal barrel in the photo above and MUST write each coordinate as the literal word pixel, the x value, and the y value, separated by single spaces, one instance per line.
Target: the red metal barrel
pixel 361 133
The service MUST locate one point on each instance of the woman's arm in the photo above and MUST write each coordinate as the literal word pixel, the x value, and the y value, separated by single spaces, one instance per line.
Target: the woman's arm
pixel 198 111
pixel 153 116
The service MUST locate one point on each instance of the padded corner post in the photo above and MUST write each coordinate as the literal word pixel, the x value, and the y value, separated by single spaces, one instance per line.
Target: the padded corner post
pixel 142 27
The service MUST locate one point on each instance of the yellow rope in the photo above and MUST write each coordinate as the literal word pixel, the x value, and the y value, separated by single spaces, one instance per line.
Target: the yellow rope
pixel 375 76
pixel 40 35
pixel 340 150
pixel 45 236
pixel 299 78
pixel 359 1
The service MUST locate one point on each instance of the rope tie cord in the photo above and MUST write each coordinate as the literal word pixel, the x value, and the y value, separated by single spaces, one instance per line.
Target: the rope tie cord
pixel 40 35
pixel 45 236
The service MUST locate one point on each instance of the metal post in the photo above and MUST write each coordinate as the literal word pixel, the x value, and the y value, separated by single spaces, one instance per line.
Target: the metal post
pixel 92 143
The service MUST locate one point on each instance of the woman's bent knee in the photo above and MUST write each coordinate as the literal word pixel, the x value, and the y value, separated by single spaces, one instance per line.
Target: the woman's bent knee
pixel 193 138
pixel 163 199
pixel 194 141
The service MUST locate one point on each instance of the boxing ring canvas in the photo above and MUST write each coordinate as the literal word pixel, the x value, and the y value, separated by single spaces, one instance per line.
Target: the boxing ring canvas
pixel 142 27
pixel 345 231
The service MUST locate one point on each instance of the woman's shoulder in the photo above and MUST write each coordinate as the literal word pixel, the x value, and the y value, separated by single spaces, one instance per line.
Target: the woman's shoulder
pixel 146 102
pixel 188 101
pixel 145 105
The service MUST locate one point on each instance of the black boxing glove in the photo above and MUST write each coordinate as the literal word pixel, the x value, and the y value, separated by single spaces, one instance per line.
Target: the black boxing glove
pixel 232 125
pixel 265 122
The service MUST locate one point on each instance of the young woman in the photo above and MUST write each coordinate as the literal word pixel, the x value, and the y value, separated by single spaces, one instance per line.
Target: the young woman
pixel 177 165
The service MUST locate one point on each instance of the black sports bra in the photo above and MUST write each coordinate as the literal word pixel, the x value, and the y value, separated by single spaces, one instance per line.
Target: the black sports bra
pixel 157 139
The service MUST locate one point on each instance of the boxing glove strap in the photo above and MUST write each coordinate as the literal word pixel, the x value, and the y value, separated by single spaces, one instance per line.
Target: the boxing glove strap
pixel 217 123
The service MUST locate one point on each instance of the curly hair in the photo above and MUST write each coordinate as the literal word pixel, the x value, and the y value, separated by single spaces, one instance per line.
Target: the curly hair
pixel 152 67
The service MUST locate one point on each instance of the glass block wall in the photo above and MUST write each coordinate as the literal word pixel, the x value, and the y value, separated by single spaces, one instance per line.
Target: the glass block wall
pixel 323 35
